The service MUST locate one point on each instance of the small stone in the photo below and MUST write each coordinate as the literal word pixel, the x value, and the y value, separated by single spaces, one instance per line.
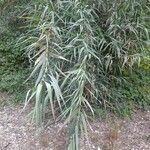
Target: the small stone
pixel 96 131
pixel 99 148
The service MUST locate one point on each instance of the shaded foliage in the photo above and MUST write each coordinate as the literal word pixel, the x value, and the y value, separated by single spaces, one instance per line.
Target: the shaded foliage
pixel 13 61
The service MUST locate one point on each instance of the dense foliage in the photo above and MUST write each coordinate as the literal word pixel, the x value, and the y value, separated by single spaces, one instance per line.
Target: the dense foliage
pixel 89 56
pixel 13 61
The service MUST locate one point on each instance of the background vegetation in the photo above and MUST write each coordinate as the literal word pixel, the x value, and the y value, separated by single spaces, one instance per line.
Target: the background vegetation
pixel 89 58
pixel 14 67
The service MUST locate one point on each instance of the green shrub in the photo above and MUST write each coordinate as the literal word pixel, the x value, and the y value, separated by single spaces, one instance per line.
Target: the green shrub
pixel 13 61
pixel 13 69
pixel 80 50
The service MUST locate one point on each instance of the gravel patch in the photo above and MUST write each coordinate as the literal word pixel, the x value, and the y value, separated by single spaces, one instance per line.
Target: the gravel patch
pixel 17 133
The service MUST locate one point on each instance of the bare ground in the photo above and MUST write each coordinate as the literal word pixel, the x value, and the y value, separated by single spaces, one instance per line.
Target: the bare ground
pixel 17 133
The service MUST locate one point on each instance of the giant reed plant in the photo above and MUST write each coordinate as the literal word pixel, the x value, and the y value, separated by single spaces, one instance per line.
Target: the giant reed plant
pixel 80 49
